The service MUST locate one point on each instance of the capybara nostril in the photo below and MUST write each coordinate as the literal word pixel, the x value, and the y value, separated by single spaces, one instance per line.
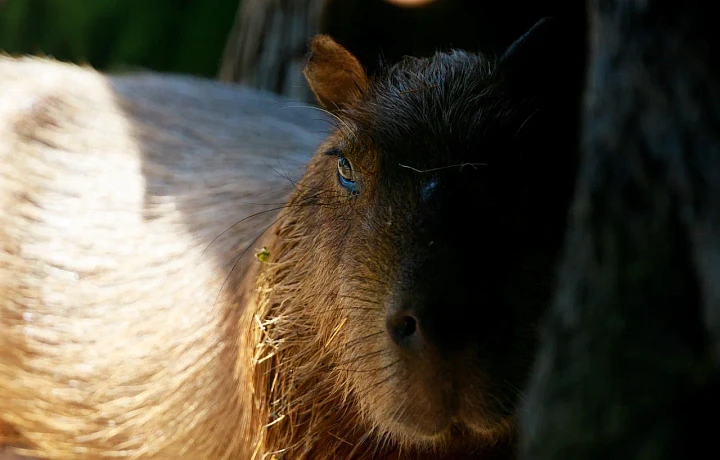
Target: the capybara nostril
pixel 403 328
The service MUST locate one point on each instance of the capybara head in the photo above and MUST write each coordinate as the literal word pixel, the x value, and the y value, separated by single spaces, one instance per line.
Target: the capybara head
pixel 405 278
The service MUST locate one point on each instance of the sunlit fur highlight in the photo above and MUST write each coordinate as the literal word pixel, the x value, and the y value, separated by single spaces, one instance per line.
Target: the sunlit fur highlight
pixel 120 308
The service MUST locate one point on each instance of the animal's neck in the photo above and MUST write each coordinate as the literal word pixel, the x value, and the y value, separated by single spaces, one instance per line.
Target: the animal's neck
pixel 297 406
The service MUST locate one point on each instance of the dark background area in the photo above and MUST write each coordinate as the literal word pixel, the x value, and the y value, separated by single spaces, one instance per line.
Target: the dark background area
pixel 189 36
pixel 369 27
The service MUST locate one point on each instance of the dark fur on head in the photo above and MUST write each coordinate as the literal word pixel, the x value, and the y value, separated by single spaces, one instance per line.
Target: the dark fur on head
pixel 397 312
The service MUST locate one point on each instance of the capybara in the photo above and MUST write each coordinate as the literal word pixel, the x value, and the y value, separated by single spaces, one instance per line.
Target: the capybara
pixel 390 309
pixel 628 366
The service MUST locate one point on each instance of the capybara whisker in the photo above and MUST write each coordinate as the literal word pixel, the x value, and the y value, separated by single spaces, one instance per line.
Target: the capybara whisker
pixel 361 357
pixel 353 342
pixel 256 214
pixel 342 123
pixel 441 168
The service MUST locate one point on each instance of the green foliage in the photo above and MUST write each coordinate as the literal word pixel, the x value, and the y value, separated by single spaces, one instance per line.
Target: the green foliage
pixel 185 36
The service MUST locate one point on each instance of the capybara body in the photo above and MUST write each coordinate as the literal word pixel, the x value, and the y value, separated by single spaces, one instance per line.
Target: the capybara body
pixel 628 366
pixel 115 335
pixel 390 314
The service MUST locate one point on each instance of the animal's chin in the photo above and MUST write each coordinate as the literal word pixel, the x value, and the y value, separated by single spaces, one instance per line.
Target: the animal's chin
pixel 421 430
pixel 435 401
pixel 425 431
pixel 420 423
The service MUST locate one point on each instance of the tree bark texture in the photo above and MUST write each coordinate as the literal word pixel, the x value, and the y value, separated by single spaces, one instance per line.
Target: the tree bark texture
pixel 267 45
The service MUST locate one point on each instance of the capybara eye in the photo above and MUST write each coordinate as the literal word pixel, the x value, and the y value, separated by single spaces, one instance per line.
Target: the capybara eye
pixel 346 173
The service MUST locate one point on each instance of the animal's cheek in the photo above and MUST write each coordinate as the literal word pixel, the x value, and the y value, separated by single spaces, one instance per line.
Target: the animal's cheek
pixel 330 237
pixel 362 295
pixel 370 365
pixel 362 300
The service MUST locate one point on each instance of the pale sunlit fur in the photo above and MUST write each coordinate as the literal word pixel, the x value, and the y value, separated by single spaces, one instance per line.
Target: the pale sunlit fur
pixel 116 338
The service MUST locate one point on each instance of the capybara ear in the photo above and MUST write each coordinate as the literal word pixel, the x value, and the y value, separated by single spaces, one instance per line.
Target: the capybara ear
pixel 334 74
pixel 536 42
pixel 534 62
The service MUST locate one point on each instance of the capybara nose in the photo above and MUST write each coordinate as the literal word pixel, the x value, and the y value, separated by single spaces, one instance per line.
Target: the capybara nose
pixel 404 328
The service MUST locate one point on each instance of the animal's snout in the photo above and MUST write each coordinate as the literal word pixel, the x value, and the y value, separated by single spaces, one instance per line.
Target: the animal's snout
pixel 417 325
pixel 423 303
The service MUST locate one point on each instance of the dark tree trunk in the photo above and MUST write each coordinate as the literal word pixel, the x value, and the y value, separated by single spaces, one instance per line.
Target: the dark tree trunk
pixel 268 43
pixel 628 367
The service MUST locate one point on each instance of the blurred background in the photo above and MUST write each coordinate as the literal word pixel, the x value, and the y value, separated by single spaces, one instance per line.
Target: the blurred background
pixel 263 43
